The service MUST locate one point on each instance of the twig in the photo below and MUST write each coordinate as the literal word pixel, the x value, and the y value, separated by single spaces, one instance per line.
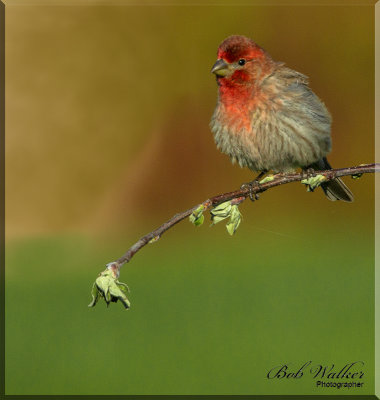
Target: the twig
pixel 239 196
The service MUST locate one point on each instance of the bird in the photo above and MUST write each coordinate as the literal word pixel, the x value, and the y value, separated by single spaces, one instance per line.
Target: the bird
pixel 267 118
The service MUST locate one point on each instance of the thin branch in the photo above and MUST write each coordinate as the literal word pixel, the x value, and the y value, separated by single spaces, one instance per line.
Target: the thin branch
pixel 238 196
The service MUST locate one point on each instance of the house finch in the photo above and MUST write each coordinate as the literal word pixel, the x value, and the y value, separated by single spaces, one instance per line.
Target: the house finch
pixel 267 117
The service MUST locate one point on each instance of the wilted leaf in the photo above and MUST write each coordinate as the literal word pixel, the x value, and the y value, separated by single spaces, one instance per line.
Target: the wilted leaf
pixel 109 288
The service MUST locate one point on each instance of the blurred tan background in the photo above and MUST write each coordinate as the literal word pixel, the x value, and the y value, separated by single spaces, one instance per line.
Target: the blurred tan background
pixel 108 107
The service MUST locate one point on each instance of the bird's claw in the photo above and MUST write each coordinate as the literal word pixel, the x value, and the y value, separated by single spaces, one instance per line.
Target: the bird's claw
pixel 308 173
pixel 250 186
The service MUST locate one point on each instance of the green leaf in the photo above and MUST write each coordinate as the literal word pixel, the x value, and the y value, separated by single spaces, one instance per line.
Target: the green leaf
pixel 199 221
pixel 124 300
pixel 125 290
pixel 117 294
pixel 222 208
pixel 123 286
pixel 95 295
pixel 221 212
pixel 217 219
pixel 234 221
pixel 103 281
pixel 227 210
pixel 107 296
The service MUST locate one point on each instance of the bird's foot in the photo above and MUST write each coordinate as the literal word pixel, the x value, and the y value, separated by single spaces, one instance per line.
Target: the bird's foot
pixel 250 185
pixel 308 173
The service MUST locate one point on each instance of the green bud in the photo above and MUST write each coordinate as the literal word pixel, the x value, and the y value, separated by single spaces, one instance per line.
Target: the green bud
pixel 357 176
pixel 268 178
pixel 154 239
pixel 197 216
pixel 313 182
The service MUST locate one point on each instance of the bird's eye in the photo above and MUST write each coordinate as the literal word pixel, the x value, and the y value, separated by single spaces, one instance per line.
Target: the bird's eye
pixel 241 61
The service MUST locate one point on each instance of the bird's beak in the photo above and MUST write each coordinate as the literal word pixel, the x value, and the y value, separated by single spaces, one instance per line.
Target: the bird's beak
pixel 220 68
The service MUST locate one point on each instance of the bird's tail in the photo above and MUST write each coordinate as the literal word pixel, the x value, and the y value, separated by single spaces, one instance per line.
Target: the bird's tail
pixel 335 189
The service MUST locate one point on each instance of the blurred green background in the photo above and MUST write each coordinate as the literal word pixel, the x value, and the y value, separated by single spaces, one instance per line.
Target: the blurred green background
pixel 107 136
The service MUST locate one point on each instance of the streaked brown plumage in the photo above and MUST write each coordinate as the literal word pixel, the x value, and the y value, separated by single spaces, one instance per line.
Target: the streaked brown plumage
pixel 267 117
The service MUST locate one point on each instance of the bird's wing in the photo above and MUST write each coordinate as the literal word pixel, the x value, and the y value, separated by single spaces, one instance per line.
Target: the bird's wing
pixel 287 76
pixel 293 88
pixel 293 77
